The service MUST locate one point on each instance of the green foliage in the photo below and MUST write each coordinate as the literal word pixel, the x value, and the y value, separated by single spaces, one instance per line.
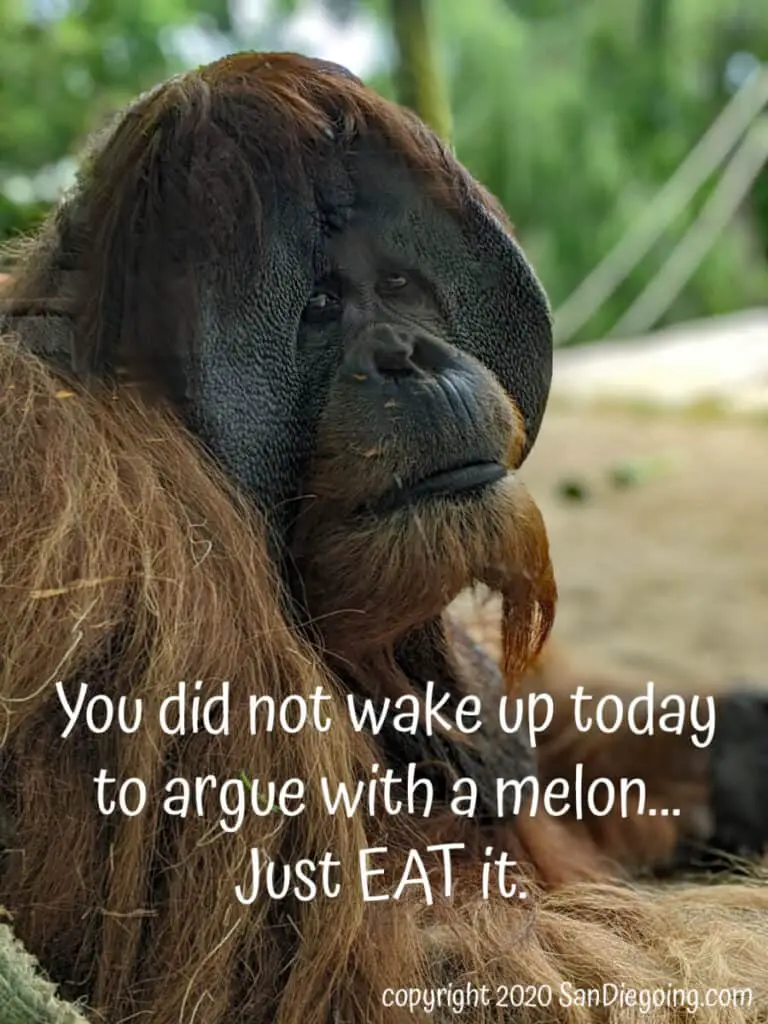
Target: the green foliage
pixel 576 119
pixel 420 83
pixel 18 218
pixel 60 75
pixel 574 112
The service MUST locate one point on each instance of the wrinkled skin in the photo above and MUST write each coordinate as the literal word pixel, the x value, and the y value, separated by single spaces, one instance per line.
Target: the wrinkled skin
pixel 382 226
pixel 264 373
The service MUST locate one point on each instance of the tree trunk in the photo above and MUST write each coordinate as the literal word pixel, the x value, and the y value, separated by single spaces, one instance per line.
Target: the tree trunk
pixel 420 83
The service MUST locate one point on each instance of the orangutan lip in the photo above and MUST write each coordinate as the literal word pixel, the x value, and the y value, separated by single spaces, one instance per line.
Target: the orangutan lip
pixel 467 478
pixel 448 482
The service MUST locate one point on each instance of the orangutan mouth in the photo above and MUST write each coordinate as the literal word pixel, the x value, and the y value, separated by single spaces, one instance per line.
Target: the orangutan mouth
pixel 450 482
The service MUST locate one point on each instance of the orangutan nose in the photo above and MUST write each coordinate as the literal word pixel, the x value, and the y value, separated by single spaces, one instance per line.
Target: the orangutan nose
pixel 391 351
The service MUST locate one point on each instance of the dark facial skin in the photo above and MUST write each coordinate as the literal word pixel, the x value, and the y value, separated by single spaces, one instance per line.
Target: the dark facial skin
pixel 400 392
pixel 395 300
pixel 206 221
pixel 215 296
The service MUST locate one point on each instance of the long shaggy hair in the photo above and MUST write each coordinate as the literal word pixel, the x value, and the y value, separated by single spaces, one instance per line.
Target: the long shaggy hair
pixel 128 561
pixel 114 524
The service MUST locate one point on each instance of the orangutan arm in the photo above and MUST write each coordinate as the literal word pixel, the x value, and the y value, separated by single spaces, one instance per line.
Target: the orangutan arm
pixel 715 795
pixel 703 798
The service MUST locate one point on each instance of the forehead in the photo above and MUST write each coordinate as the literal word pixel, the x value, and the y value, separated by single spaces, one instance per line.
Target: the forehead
pixel 385 185
pixel 392 213
pixel 375 242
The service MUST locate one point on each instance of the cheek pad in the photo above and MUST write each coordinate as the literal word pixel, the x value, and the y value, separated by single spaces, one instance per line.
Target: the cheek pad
pixel 493 305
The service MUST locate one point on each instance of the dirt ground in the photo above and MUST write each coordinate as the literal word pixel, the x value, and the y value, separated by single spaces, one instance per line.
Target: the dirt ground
pixel 666 579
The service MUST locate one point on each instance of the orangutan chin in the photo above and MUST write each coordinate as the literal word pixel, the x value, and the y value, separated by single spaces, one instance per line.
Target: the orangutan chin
pixel 267 377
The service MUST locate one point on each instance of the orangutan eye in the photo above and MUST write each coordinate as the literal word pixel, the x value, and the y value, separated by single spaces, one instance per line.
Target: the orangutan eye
pixel 324 304
pixel 393 283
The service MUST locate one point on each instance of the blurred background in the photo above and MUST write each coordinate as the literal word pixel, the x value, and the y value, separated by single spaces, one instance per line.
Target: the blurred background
pixel 628 140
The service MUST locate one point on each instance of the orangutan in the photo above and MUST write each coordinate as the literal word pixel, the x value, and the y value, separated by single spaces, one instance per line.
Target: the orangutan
pixel 268 374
